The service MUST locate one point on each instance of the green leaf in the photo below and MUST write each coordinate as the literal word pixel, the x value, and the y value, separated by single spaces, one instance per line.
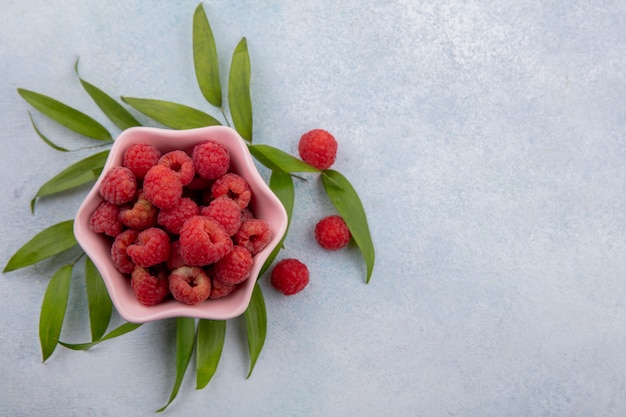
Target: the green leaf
pixel 173 115
pixel 185 335
pixel 99 302
pixel 205 58
pixel 209 345
pixel 44 138
pixel 109 106
pixel 79 173
pixel 49 242
pixel 67 116
pixel 239 91
pixel 117 332
pixel 53 310
pixel 256 325
pixel 282 185
pixel 278 160
pixel 349 206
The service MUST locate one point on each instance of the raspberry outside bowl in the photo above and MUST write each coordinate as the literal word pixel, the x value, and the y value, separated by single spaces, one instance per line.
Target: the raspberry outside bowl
pixel 264 204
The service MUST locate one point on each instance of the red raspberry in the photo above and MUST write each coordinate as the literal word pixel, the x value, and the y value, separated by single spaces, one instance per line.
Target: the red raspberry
pixel 318 148
pixel 151 247
pixel 226 212
pixel 176 259
pixel 211 159
pixel 149 289
pixel 203 241
pixel 142 214
pixel 119 256
pixel 332 233
pixel 104 219
pixel 234 268
pixel 290 276
pixel 118 186
pixel 181 164
pixel 172 219
pixel 232 186
pixel 246 214
pixel 253 235
pixel 219 289
pixel 190 285
pixel 140 157
pixel 162 187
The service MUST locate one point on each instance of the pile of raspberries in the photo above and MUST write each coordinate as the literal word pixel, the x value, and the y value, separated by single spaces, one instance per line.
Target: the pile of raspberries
pixel 180 223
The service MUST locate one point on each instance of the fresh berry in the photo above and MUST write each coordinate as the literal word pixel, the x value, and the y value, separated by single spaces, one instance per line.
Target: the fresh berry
pixel 162 187
pixel 332 233
pixel 149 289
pixel 176 259
pixel 226 212
pixel 246 214
pixel 232 186
pixel 141 215
pixel 211 159
pixel 119 256
pixel 172 219
pixel 151 247
pixel 234 268
pixel 140 157
pixel 318 148
pixel 290 276
pixel 203 241
pixel 219 289
pixel 190 285
pixel 181 164
pixel 118 186
pixel 254 235
pixel 105 219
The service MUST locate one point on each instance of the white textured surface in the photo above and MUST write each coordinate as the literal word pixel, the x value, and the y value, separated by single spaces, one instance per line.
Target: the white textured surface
pixel 487 141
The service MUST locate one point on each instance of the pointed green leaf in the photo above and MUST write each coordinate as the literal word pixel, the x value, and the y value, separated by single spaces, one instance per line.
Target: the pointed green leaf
pixel 349 206
pixel 282 185
pixel 117 332
pixel 185 336
pixel 99 302
pixel 209 344
pixel 79 173
pixel 173 115
pixel 49 242
pixel 205 58
pixel 109 106
pixel 256 325
pixel 44 138
pixel 278 160
pixel 67 116
pixel 53 310
pixel 239 101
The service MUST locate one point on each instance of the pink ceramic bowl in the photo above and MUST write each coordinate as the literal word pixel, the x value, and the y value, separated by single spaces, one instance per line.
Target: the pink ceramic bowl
pixel 265 205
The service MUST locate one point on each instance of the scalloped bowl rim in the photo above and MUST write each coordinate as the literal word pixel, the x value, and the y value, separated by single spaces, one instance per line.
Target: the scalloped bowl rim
pixel 265 205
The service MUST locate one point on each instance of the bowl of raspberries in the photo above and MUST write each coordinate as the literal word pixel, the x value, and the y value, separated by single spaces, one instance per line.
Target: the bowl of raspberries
pixel 179 223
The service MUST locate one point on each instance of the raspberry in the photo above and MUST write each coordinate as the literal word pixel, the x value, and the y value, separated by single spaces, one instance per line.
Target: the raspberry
pixel 151 247
pixel 142 214
pixel 290 276
pixel 149 289
pixel 318 148
pixel 190 285
pixel 118 186
pixel 211 159
pixel 105 219
pixel 233 268
pixel 172 219
pixel 181 164
pixel 162 187
pixel 226 212
pixel 119 256
pixel 203 241
pixel 219 289
pixel 232 186
pixel 246 214
pixel 176 259
pixel 253 235
pixel 332 233
pixel 140 157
